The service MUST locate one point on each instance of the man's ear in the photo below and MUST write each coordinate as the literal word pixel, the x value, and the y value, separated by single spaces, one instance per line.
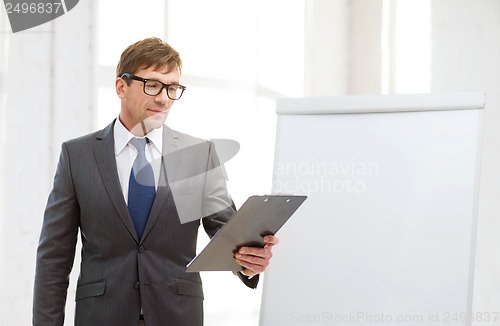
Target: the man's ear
pixel 120 87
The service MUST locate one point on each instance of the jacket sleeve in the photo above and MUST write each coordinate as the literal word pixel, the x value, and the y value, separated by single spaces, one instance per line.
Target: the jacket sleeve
pixel 56 248
pixel 216 195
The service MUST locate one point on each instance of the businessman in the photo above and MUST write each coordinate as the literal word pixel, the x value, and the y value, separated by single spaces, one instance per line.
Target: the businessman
pixel 135 191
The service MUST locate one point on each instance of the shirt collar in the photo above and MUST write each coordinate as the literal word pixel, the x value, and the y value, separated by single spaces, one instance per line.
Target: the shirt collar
pixel 122 137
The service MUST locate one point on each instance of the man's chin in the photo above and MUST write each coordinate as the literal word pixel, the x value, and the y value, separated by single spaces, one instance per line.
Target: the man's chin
pixel 155 121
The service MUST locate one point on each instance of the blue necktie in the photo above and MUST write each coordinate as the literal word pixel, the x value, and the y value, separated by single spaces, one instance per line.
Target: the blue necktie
pixel 141 187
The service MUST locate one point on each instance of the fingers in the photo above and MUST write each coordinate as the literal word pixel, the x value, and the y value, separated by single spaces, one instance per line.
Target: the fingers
pixel 257 256
pixel 253 265
pixel 270 240
pixel 255 260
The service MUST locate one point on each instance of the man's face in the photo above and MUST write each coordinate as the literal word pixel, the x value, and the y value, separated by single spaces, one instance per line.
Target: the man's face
pixel 140 113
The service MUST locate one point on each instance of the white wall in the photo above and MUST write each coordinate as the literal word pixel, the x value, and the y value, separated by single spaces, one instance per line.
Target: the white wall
pixel 343 47
pixel 48 98
pixel 466 56
pixel 326 54
pixel 2 156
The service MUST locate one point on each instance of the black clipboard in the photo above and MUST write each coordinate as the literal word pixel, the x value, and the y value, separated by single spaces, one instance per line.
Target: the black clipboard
pixel 257 217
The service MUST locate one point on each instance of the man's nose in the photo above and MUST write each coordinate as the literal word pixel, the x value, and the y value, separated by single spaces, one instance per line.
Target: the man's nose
pixel 162 97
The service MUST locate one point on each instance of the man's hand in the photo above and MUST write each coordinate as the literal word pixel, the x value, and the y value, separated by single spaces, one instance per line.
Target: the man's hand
pixel 255 260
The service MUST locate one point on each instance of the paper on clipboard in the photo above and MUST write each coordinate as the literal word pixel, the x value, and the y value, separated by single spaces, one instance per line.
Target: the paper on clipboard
pixel 257 217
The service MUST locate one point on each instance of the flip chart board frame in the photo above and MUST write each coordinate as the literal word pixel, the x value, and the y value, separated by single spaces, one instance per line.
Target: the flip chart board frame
pixel 432 142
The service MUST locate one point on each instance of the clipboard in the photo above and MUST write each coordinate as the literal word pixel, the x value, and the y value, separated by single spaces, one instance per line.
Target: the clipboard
pixel 258 216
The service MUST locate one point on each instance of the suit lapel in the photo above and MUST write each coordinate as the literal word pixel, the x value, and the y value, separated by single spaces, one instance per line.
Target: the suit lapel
pixel 105 158
pixel 168 170
pixel 170 145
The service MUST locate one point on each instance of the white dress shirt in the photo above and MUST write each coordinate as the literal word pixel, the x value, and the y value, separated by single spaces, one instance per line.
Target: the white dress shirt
pixel 126 153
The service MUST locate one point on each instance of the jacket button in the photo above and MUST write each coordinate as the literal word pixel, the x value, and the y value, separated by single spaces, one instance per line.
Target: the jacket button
pixel 137 285
pixel 141 249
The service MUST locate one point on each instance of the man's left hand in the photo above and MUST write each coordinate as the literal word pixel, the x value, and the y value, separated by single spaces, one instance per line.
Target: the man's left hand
pixel 255 260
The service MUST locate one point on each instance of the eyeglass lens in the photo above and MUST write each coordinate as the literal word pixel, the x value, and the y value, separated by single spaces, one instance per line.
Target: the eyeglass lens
pixel 153 87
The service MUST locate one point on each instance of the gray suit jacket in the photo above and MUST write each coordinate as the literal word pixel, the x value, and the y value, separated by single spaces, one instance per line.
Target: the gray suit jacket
pixel 119 273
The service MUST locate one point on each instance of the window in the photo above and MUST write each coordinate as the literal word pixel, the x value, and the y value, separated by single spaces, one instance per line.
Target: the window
pixel 406 54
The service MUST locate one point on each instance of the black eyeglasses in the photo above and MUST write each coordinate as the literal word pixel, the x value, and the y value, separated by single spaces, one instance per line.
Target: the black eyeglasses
pixel 154 87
